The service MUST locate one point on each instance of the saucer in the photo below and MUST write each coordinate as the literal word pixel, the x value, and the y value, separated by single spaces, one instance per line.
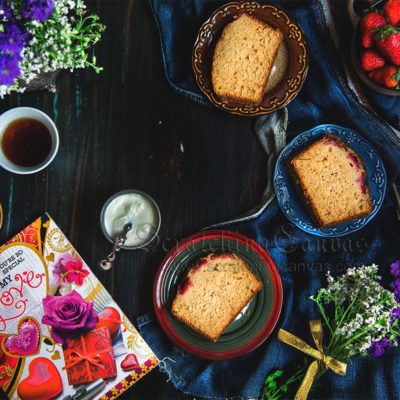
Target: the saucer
pixel 294 45
pixel 256 321
pixel 288 196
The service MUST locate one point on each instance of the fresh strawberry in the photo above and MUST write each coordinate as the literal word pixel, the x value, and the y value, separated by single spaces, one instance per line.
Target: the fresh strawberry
pixel 371 59
pixel 387 39
pixel 391 9
pixel 369 23
pixel 388 76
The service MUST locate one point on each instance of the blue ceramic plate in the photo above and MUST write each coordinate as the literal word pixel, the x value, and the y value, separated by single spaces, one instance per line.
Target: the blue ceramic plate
pixel 288 197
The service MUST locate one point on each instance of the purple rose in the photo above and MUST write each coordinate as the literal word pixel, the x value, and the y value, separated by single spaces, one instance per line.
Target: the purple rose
pixel 68 315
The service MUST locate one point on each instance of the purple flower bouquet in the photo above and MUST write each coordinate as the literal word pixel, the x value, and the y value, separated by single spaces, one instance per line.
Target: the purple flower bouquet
pixel 360 318
pixel 39 37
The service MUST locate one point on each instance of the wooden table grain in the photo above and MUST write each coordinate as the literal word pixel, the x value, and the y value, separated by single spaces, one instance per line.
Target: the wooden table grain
pixel 127 128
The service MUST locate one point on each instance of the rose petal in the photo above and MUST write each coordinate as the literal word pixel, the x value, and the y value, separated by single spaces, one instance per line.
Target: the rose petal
pixel 68 315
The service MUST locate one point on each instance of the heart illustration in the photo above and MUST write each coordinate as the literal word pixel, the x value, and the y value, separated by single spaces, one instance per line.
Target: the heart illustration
pixel 8 368
pixel 55 355
pixel 43 382
pixel 130 362
pixel 26 341
pixel 46 224
pixel 111 319
pixel 50 257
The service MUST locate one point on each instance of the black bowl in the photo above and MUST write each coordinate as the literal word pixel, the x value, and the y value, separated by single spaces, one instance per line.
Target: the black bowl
pixel 355 11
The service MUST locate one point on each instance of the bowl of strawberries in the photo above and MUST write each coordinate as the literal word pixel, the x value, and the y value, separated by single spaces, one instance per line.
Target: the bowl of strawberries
pixel 376 47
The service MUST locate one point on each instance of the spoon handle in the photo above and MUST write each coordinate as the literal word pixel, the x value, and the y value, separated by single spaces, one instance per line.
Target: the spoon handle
pixel 108 262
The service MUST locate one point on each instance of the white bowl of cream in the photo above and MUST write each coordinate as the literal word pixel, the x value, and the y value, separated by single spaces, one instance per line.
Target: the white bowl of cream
pixel 131 207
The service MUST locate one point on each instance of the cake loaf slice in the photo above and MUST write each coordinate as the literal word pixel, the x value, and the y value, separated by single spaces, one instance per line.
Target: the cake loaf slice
pixel 216 289
pixel 243 59
pixel 332 180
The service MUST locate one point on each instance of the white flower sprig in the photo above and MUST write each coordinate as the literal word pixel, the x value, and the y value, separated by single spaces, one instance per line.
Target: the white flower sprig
pixel 361 311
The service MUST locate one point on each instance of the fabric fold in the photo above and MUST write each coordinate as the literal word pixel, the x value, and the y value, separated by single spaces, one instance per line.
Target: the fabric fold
pixel 302 259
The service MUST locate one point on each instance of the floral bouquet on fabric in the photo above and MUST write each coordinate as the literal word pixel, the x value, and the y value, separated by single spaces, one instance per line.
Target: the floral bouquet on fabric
pixel 43 36
pixel 359 316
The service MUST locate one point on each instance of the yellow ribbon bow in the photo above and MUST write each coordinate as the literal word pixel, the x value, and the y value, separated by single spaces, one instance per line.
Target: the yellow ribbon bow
pixel 321 359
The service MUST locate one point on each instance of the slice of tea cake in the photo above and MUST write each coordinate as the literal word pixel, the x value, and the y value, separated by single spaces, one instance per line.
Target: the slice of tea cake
pixel 332 180
pixel 243 59
pixel 216 289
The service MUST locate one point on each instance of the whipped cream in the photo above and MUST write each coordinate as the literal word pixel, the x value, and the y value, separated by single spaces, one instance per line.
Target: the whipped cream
pixel 135 209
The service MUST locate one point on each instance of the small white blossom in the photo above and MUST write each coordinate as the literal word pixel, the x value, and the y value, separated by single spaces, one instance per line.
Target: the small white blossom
pixel 363 308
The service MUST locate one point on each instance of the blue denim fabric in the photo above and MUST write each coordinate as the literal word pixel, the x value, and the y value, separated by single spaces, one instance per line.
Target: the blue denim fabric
pixel 302 259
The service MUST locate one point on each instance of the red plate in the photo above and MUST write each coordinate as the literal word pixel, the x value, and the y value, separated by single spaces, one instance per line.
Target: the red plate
pixel 252 327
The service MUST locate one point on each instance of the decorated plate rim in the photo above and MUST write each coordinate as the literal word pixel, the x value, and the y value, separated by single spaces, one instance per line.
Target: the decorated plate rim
pixel 282 181
pixel 294 81
pixel 260 337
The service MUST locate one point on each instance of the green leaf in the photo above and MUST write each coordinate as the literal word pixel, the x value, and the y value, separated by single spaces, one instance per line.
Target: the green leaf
pixel 285 387
pixel 384 32
pixel 396 76
pixel 271 387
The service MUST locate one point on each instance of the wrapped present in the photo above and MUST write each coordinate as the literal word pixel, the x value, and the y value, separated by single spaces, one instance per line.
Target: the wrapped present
pixel 89 357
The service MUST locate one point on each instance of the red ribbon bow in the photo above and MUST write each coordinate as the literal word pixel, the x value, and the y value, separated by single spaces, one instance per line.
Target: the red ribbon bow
pixel 94 358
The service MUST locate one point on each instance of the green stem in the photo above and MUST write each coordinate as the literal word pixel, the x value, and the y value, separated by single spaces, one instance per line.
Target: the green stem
pixel 325 318
pixel 345 313
pixel 339 324
pixel 337 352
pixel 279 393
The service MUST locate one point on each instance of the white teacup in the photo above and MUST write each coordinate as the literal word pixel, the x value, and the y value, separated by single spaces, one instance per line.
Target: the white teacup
pixel 33 113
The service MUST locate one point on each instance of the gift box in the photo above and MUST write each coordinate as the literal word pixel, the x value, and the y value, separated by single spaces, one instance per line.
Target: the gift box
pixel 51 279
pixel 89 357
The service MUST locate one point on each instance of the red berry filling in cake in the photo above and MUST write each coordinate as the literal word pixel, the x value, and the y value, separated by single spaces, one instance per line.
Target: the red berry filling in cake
pixel 331 178
pixel 214 292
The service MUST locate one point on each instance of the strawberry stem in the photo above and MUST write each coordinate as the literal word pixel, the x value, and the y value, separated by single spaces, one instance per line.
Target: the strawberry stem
pixel 384 32
pixel 396 76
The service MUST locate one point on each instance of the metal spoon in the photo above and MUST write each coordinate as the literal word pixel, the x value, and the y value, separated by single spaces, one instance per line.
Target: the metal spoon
pixel 108 262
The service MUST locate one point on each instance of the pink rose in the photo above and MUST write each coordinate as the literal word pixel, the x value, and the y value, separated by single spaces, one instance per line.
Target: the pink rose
pixel 70 269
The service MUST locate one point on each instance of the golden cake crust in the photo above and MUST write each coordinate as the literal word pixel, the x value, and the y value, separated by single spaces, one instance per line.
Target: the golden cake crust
pixel 243 59
pixel 216 289
pixel 328 202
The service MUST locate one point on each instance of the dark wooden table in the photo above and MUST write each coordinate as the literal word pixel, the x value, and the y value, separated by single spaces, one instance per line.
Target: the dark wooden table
pixel 127 128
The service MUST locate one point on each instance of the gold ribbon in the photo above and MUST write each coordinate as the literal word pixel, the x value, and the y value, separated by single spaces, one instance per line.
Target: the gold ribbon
pixel 321 359
pixel 94 358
